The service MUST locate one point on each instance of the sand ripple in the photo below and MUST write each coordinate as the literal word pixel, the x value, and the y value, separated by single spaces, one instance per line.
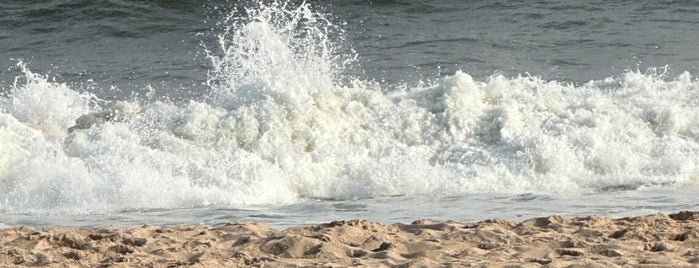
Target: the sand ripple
pixel 555 241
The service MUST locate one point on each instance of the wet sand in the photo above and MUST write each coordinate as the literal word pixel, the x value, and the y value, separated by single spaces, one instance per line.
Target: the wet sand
pixel 555 241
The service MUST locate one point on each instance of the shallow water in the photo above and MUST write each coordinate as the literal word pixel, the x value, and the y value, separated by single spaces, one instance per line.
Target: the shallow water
pixel 392 111
pixel 403 209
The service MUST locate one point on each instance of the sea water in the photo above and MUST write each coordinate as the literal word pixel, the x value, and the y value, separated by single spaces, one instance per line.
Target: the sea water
pixel 124 113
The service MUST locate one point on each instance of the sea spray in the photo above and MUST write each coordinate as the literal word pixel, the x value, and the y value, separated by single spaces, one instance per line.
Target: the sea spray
pixel 280 127
pixel 276 47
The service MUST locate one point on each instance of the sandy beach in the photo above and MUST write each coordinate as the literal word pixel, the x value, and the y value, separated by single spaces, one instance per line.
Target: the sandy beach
pixel 645 241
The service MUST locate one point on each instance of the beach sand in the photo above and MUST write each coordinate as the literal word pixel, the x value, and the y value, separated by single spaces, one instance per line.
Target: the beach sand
pixel 555 241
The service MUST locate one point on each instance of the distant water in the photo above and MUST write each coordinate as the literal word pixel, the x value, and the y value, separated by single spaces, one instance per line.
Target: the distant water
pixel 293 113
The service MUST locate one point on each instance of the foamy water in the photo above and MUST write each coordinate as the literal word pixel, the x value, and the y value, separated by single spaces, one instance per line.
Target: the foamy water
pixel 283 134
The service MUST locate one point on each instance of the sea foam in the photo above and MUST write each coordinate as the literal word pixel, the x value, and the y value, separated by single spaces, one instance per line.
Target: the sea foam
pixel 281 125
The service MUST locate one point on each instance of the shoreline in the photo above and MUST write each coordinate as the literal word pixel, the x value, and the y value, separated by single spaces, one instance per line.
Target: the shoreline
pixel 659 240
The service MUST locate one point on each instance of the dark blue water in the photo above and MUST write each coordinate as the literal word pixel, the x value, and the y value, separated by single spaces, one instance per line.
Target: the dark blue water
pixel 130 44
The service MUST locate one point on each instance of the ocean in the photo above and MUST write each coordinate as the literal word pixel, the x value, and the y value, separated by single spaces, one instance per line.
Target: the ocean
pixel 125 113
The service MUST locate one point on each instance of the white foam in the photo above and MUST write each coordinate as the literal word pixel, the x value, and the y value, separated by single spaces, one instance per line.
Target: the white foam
pixel 280 128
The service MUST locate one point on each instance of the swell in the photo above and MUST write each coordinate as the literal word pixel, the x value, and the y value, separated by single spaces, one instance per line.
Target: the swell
pixel 104 18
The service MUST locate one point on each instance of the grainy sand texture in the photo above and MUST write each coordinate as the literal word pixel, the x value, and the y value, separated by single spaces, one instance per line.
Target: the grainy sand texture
pixel 646 241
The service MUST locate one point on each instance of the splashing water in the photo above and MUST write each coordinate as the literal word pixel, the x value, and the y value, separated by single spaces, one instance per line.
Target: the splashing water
pixel 274 48
pixel 279 128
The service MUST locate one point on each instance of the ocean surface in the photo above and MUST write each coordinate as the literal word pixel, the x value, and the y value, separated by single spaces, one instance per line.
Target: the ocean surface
pixel 124 112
